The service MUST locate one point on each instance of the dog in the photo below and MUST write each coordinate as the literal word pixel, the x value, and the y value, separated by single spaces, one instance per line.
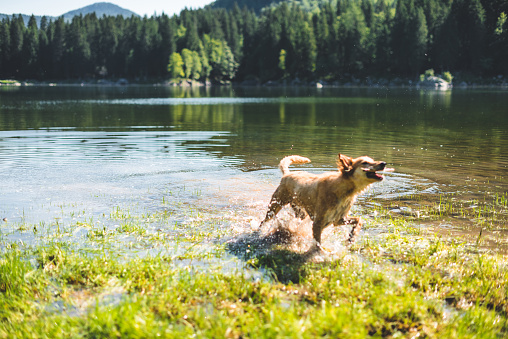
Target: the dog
pixel 326 198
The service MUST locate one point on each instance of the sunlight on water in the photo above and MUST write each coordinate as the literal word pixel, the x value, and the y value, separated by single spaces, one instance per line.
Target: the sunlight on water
pixel 210 101
pixel 58 167
pixel 87 155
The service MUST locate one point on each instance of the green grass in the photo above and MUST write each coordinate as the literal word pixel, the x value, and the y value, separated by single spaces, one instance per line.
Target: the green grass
pixel 489 212
pixel 404 282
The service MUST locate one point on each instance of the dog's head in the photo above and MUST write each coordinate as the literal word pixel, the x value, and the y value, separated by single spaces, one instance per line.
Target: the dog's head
pixel 361 168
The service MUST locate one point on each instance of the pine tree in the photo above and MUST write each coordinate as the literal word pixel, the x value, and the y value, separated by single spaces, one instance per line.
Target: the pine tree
pixel 191 40
pixel 5 48
pixel 30 49
pixel 235 39
pixel 358 37
pixel 17 32
pixel 381 32
pixel 353 39
pixel 409 38
pixel 44 54
pixel 57 42
pixel 78 49
pixel 420 41
pixel 305 48
pixel 167 45
pixel 106 42
pixel 460 42
pixel 469 16
pixel 206 69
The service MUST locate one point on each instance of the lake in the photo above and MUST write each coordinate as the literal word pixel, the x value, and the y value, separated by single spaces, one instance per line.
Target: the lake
pixel 75 158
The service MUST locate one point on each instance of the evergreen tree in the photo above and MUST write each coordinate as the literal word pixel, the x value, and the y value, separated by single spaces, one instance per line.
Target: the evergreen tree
pixel 17 32
pixel 306 39
pixel 353 34
pixel 460 43
pixel 107 42
pixel 167 45
pixel 469 17
pixel 44 54
pixel 30 49
pixel 5 48
pixel 206 69
pixel 409 38
pixel 305 47
pixel 381 33
pixel 323 36
pixel 57 42
pixel 419 45
pixel 191 40
pixel 78 49
pixel 234 39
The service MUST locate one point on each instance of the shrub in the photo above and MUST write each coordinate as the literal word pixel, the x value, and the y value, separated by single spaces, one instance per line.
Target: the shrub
pixel 447 76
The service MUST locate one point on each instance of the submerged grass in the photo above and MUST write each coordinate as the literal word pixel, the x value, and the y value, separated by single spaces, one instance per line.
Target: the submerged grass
pixel 490 211
pixel 403 282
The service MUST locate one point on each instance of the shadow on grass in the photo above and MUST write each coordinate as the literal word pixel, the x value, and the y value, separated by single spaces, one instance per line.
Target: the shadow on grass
pixel 276 254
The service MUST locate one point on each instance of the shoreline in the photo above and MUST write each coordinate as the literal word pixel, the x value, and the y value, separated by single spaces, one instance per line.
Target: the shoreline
pixel 496 83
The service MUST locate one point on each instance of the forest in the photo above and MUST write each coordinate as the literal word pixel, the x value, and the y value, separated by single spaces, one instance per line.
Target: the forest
pixel 330 40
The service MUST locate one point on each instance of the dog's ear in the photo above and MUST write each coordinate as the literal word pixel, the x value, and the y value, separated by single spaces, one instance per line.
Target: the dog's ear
pixel 344 163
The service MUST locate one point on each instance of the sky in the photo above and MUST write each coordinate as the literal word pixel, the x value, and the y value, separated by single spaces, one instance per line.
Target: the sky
pixel 59 7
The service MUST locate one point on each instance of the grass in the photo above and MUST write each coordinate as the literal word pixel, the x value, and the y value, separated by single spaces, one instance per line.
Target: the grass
pixel 404 282
pixel 490 212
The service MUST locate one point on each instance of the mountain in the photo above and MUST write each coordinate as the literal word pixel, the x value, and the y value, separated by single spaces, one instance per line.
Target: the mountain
pixel 25 17
pixel 100 9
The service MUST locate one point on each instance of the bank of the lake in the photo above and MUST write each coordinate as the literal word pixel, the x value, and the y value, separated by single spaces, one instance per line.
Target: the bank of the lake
pixel 460 81
pixel 402 281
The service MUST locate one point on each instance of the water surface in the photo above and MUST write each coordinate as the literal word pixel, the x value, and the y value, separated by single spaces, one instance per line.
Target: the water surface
pixel 76 153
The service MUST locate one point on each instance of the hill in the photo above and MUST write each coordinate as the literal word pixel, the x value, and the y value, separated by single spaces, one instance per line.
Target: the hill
pixel 25 17
pixel 100 9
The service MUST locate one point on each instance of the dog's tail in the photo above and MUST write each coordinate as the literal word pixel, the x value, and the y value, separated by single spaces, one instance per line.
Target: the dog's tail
pixel 292 159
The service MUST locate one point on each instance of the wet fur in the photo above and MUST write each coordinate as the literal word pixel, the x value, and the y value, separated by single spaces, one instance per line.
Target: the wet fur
pixel 326 198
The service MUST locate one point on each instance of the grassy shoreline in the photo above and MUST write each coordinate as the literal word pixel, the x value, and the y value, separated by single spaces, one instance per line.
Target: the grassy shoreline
pixel 399 281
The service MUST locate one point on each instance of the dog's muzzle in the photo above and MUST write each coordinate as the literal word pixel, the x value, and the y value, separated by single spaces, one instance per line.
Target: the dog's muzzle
pixel 371 173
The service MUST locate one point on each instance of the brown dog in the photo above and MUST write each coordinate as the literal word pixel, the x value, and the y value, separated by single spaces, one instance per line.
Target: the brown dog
pixel 328 197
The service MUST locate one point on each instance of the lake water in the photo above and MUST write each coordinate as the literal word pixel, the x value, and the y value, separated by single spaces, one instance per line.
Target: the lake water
pixel 78 153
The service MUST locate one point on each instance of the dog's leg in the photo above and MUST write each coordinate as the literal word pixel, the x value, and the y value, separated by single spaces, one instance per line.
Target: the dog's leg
pixel 317 228
pixel 274 208
pixel 357 226
pixel 280 198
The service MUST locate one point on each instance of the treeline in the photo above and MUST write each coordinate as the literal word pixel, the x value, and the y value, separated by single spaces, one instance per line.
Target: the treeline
pixel 344 38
